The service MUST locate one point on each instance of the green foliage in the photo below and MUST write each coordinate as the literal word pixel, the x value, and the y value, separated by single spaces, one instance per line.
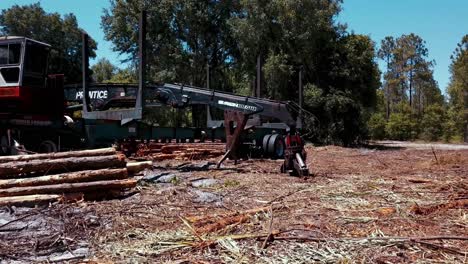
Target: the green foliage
pixel 341 120
pixel 175 181
pixel 380 106
pixel 458 92
pixel 409 75
pixel 63 34
pixel 230 183
pixel 313 96
pixel 127 75
pixel 402 125
pixel 342 103
pixel 185 37
pixel 340 72
pixel 453 130
pixel 411 99
pixel 278 73
pixel 103 70
pixel 376 125
pixel 432 123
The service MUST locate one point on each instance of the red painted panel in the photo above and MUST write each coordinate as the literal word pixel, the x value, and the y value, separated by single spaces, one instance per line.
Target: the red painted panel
pixel 9 92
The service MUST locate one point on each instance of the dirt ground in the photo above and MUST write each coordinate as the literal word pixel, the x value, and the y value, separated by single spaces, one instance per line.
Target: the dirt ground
pixel 379 204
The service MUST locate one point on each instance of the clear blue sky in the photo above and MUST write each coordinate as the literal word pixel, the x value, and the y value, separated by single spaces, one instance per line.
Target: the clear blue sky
pixel 441 23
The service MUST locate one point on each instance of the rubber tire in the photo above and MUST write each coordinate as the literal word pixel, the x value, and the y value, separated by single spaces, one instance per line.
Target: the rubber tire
pixel 273 149
pixel 280 155
pixel 266 138
pixel 47 146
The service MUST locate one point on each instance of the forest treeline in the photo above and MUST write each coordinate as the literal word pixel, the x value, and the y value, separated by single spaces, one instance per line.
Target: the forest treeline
pixel 349 98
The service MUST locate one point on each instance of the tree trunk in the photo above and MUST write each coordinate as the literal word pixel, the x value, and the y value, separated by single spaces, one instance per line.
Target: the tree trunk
pixel 28 200
pixel 12 169
pixel 421 101
pixel 60 155
pixel 411 91
pixel 104 186
pixel 80 176
pixel 411 83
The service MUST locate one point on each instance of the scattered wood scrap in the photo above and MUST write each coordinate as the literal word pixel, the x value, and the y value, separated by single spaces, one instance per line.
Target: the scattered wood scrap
pixel 33 179
pixel 426 210
pixel 181 151
pixel 212 223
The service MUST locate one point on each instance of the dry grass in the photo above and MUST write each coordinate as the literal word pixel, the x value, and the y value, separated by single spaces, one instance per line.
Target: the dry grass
pixel 359 207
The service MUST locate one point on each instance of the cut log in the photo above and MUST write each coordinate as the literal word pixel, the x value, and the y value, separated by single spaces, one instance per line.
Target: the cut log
pixel 28 200
pixel 135 167
pixel 70 188
pixel 169 149
pixel 60 155
pixel 70 177
pixel 10 169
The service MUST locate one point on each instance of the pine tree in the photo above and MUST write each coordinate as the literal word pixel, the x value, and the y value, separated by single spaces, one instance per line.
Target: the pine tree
pixel 458 91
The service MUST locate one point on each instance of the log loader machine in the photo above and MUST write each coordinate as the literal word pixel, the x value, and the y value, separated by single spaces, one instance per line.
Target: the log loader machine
pixel 36 109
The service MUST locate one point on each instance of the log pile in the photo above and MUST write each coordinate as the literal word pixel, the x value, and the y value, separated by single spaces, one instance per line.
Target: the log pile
pixel 180 151
pixel 32 179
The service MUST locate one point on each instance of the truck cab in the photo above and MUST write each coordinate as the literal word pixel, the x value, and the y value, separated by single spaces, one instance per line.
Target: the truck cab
pixel 31 101
pixel 25 87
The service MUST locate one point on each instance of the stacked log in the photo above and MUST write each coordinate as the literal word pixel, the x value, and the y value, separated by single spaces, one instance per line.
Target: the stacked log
pixel 181 151
pixel 30 179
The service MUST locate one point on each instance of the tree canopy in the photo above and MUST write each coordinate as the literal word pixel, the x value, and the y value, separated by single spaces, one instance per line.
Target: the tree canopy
pixel 412 104
pixel 458 90
pixel 342 82
pixel 230 36
pixel 103 71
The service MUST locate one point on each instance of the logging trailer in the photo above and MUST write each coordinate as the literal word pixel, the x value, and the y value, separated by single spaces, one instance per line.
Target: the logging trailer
pixel 36 110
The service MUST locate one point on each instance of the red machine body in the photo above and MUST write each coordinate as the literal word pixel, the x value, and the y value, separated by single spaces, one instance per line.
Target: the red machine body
pixel 295 155
pixel 25 88
pixel 31 102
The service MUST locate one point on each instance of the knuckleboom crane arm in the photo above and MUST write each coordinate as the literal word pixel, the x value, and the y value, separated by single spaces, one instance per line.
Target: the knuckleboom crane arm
pixel 237 109
pixel 180 96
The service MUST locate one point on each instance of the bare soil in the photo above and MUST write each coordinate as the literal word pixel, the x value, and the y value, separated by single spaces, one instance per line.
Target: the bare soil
pixel 381 204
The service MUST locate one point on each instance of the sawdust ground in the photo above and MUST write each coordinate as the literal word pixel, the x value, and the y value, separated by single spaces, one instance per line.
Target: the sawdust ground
pixel 354 193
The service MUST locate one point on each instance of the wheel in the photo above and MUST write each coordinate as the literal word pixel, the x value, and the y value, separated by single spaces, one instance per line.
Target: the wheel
pixel 276 146
pixel 47 146
pixel 266 138
pixel 279 147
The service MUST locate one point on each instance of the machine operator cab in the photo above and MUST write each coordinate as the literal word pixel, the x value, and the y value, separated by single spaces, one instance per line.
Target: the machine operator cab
pixel 25 87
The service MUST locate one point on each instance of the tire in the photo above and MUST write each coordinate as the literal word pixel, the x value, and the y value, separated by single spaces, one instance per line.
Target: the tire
pixel 266 138
pixel 276 146
pixel 47 146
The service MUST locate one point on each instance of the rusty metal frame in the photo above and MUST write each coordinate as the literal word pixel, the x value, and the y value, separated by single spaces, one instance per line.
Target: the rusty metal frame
pixel 234 124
